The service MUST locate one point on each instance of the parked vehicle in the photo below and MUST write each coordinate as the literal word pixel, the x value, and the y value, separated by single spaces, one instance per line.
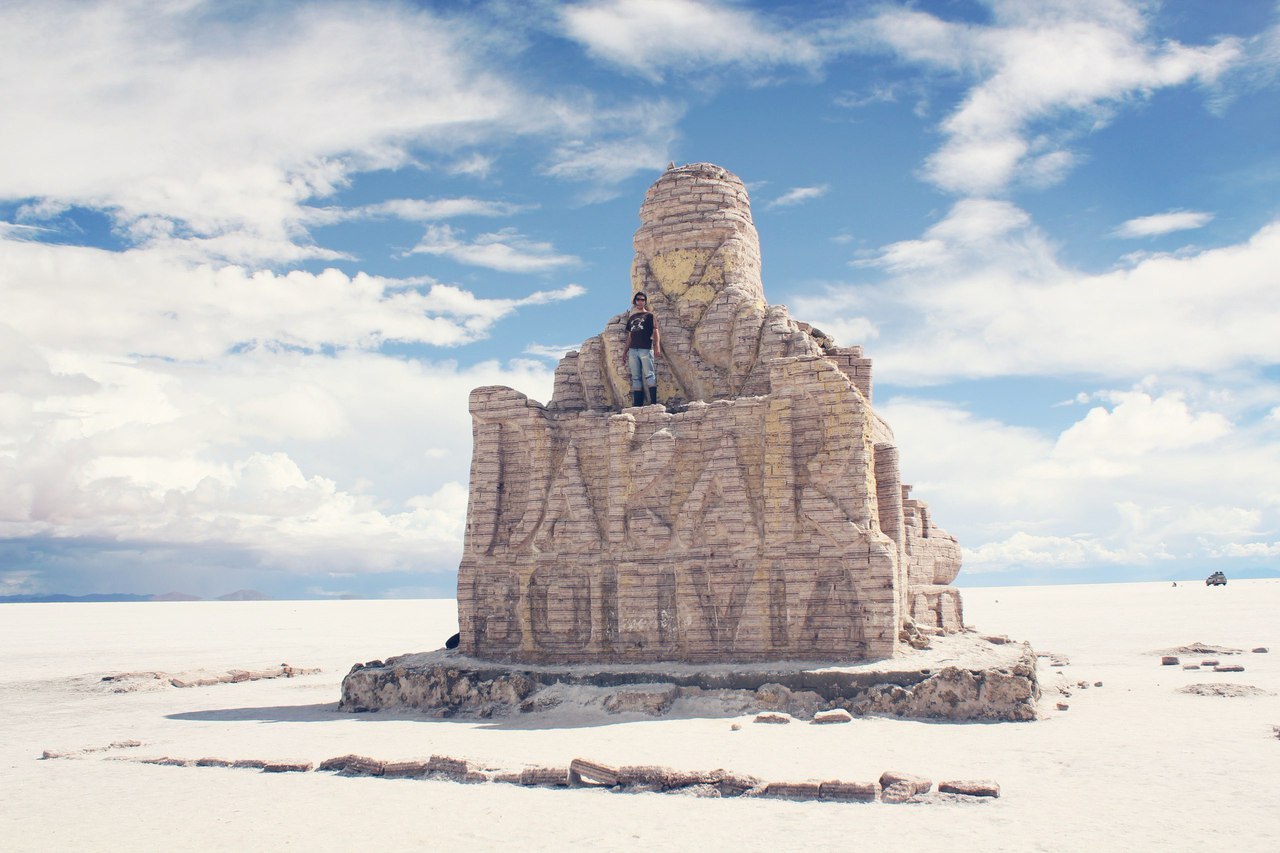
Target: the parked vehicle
pixel 1216 579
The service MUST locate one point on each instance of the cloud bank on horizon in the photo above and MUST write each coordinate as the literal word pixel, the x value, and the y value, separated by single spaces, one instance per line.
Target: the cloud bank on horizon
pixel 253 257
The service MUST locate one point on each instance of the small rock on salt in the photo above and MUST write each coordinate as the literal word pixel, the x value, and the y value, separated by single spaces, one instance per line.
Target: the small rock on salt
pixel 772 718
pixel 835 715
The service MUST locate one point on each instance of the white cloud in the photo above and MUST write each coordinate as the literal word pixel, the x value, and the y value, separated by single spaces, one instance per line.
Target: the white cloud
pixel 1025 550
pixel 164 452
pixel 1036 65
pixel 475 165
pixel 649 37
pixel 1150 476
pixel 974 229
pixel 413 210
pixel 983 294
pixel 979 221
pixel 185 404
pixel 18 231
pixel 550 351
pixel 227 125
pixel 1250 549
pixel 799 195
pixel 608 162
pixel 887 93
pixel 1046 170
pixel 506 251
pixel 622 141
pixel 1163 223
pixel 163 395
pixel 41 211
pixel 146 302
pixel 1136 425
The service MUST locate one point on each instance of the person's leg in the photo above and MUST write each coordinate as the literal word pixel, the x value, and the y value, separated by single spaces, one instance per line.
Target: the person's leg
pixel 636 367
pixel 650 375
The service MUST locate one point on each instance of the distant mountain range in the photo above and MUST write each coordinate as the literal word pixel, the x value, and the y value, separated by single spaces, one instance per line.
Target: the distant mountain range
pixel 244 595
pixel 238 595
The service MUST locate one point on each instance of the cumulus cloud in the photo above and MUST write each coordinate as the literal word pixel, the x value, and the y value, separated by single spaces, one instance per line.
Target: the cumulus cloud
pixel 799 195
pixel 192 390
pixel 506 251
pixel 551 351
pixel 1249 549
pixel 144 302
pixel 1151 475
pixel 1027 550
pixel 639 138
pixel 649 37
pixel 1163 223
pixel 475 165
pixel 413 210
pixel 223 124
pixel 187 404
pixel 1137 425
pixel 1039 68
pixel 164 452
pixel 983 293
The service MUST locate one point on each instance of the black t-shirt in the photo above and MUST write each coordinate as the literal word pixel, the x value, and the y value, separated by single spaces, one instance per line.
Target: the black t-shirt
pixel 640 328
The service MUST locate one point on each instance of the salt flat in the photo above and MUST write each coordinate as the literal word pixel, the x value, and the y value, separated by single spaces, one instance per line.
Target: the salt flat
pixel 1134 764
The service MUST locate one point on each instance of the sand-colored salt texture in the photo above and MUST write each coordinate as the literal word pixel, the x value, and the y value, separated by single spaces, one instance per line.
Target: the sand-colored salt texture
pixel 757 515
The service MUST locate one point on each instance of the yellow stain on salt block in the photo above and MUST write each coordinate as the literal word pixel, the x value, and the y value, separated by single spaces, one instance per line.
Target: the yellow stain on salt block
pixel 674 270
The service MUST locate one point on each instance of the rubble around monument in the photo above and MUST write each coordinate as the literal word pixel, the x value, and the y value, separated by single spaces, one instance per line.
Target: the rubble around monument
pixel 759 515
pixel 999 683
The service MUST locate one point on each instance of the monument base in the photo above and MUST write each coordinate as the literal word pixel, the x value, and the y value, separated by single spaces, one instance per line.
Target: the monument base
pixel 960 677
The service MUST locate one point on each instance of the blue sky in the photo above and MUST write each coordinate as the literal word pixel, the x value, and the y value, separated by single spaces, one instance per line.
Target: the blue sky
pixel 253 257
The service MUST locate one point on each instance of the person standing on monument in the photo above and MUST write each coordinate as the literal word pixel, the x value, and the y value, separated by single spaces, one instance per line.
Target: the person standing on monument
pixel 644 344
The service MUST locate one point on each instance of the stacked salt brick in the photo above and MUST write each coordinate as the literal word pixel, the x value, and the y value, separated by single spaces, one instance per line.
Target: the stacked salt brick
pixel 763 519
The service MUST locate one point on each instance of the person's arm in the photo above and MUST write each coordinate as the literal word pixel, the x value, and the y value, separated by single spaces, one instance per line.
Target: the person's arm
pixel 626 345
pixel 657 340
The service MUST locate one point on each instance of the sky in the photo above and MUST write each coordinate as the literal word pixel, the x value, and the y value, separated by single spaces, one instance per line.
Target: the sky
pixel 255 255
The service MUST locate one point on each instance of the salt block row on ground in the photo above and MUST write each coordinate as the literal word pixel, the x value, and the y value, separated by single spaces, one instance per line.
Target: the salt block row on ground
pixel 891 787
pixel 124 682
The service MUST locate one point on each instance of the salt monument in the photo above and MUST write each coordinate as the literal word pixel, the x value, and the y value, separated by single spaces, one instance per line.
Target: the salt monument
pixel 764 518
pixel 756 515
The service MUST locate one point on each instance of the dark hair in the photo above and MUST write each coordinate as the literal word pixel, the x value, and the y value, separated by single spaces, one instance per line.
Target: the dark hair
pixel 640 294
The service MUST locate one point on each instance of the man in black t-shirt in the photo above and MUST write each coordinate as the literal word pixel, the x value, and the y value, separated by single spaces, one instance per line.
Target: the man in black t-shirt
pixel 643 345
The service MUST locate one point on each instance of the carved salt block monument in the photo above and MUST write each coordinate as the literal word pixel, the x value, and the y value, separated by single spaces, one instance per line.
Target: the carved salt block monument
pixel 761 518
pixel 758 515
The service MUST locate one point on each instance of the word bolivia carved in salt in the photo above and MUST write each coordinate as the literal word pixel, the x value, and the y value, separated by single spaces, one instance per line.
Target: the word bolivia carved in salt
pixel 759 515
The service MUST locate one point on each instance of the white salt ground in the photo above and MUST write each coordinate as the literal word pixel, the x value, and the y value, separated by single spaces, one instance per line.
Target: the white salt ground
pixel 1131 765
